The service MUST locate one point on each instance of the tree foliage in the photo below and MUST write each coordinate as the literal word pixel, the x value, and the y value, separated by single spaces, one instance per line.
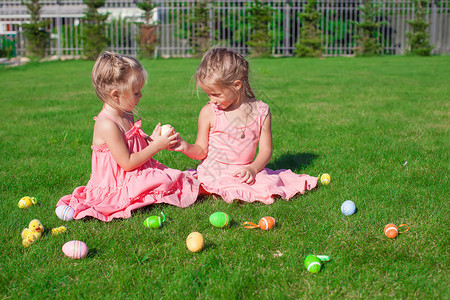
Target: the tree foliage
pixel 37 38
pixel 309 43
pixel 148 32
pixel 94 37
pixel 260 41
pixel 368 30
pixel 147 6
pixel 418 38
pixel 200 35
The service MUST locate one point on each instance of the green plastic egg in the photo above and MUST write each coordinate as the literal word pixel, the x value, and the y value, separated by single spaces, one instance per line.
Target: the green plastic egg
pixel 219 219
pixel 312 263
pixel 154 221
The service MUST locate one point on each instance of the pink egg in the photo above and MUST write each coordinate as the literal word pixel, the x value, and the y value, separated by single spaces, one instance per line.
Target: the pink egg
pixel 75 249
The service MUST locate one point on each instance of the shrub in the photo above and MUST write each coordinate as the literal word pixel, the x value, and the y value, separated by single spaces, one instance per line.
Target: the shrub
pixel 7 48
pixel 94 38
pixel 36 36
pixel 200 29
pixel 260 41
pixel 148 32
pixel 368 30
pixel 418 38
pixel 309 43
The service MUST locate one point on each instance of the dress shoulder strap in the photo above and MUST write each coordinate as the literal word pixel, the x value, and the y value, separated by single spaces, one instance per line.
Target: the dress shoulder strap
pixel 263 108
pixel 216 110
pixel 112 119
pixel 263 111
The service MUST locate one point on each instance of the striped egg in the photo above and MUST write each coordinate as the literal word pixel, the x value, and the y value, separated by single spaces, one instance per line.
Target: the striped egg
pixel 65 212
pixel 266 223
pixel 75 249
pixel 26 202
pixel 312 263
pixel 391 230
pixel 153 222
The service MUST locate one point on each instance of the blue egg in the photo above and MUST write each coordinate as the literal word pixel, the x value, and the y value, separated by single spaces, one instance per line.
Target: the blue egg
pixel 348 208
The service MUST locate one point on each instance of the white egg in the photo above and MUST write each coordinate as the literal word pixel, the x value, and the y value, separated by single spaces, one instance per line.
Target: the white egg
pixel 165 128
pixel 65 212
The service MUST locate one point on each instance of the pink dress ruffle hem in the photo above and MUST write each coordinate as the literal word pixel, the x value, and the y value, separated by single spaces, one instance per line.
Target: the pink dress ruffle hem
pixel 113 193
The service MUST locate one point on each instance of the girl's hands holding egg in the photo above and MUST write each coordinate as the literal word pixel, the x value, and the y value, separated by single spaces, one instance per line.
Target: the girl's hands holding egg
pixel 168 139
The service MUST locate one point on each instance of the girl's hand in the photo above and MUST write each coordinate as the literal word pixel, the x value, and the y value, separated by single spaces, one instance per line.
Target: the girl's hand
pixel 180 146
pixel 166 141
pixel 246 174
pixel 156 132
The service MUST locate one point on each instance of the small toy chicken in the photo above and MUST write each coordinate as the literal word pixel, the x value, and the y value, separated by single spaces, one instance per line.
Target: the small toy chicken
pixel 32 233
pixel 59 230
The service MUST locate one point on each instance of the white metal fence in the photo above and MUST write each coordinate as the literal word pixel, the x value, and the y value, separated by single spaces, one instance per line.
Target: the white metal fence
pixel 228 25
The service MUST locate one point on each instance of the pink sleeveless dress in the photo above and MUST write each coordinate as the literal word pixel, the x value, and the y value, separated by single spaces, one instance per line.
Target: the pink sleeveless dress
pixel 113 193
pixel 228 152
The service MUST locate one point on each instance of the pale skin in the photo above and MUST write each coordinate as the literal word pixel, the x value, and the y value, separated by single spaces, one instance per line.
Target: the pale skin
pixel 108 132
pixel 233 102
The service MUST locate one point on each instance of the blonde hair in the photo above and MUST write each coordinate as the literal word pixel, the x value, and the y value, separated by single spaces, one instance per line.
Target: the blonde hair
pixel 224 66
pixel 114 71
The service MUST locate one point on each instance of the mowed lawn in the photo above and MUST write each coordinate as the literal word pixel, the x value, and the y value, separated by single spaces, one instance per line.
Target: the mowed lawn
pixel 378 126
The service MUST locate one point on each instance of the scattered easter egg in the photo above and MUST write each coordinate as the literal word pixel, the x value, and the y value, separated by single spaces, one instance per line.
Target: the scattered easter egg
pixel 219 219
pixel 312 263
pixel 391 230
pixel 195 242
pixel 266 223
pixel 65 212
pixel 165 128
pixel 325 179
pixel 26 202
pixel 75 249
pixel 153 222
pixel 348 208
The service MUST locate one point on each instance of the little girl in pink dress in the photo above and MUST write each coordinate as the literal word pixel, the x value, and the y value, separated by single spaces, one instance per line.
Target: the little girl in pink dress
pixel 124 175
pixel 230 129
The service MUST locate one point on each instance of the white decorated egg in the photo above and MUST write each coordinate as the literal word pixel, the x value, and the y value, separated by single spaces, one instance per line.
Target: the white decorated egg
pixel 65 212
pixel 165 128
pixel 75 249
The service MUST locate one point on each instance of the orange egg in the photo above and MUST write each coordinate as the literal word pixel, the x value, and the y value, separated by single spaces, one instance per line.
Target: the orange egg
pixel 391 231
pixel 266 223
pixel 195 242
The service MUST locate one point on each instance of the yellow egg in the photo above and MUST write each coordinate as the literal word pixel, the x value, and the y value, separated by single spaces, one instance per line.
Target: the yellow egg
pixel 325 179
pixel 195 242
pixel 26 202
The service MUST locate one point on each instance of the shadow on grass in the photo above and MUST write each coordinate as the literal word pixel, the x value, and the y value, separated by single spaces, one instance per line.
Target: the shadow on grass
pixel 93 252
pixel 294 161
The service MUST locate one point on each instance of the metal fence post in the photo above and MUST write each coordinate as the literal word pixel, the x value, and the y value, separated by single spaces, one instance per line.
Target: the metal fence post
pixel 58 28
pixel 433 26
pixel 286 16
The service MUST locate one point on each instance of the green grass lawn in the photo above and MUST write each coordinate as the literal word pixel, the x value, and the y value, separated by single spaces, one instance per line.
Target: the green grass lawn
pixel 358 119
